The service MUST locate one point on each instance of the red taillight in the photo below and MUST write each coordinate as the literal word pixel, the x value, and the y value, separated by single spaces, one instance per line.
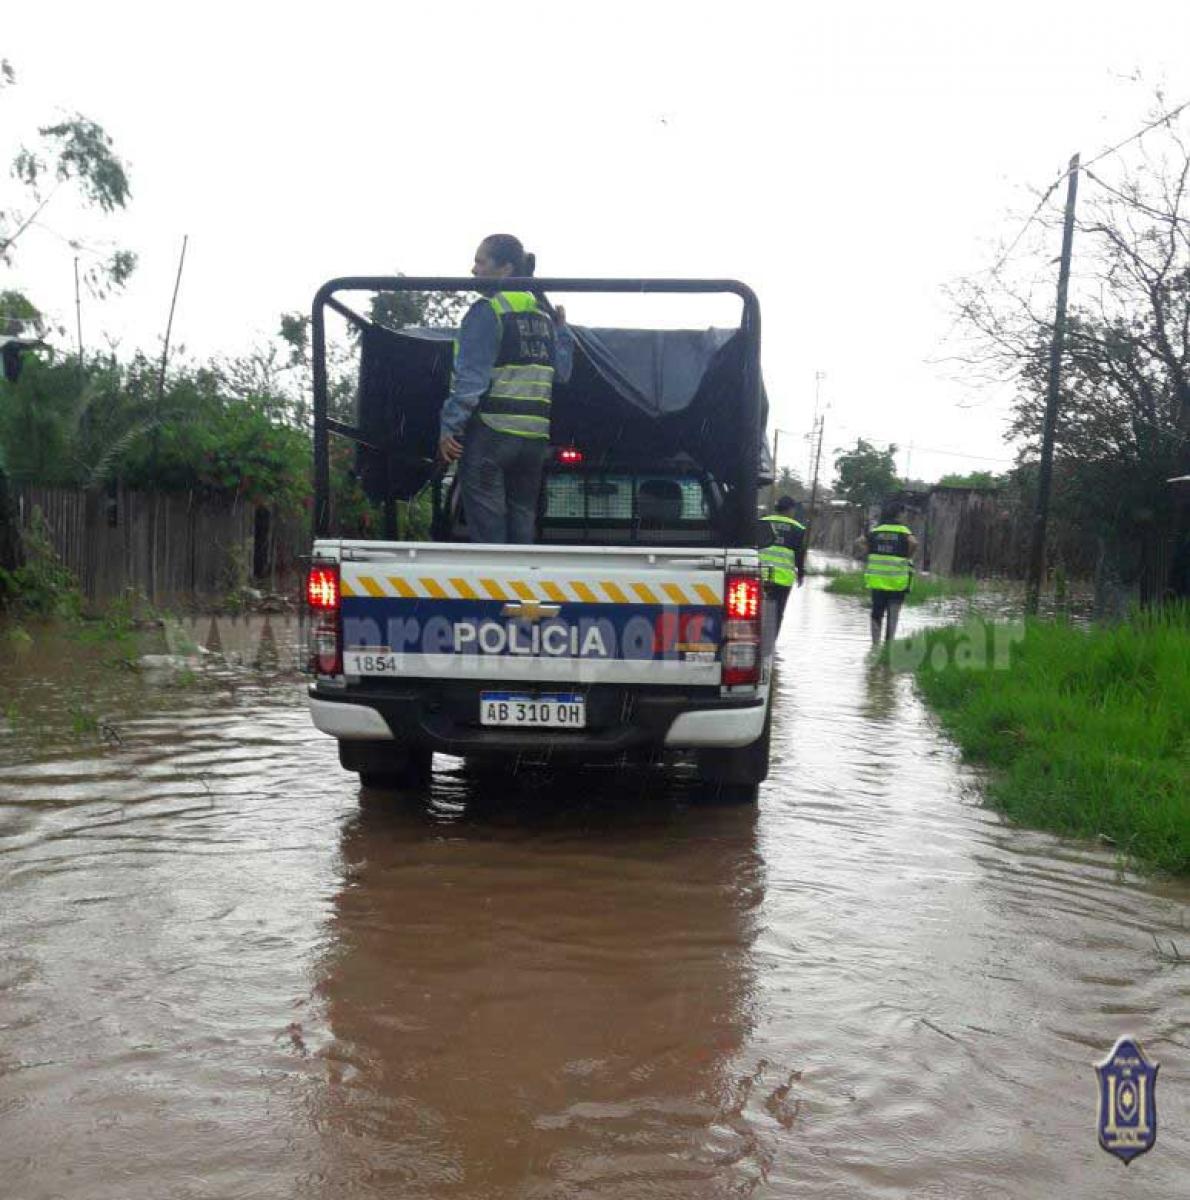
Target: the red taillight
pixel 325 631
pixel 322 588
pixel 743 597
pixel 741 630
pixel 570 456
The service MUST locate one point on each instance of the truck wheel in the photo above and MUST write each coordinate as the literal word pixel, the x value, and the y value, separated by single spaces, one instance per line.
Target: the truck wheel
pixel 383 765
pixel 734 776
pixel 718 792
pixel 413 776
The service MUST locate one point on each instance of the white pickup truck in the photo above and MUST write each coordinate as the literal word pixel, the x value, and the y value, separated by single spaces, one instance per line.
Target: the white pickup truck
pixel 635 629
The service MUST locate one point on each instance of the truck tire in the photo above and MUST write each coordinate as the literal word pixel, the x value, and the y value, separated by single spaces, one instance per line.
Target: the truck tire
pixel 734 776
pixel 383 765
pixel 718 792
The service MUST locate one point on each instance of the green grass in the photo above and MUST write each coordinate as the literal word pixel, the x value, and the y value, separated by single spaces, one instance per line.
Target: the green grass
pixel 925 587
pixel 1087 732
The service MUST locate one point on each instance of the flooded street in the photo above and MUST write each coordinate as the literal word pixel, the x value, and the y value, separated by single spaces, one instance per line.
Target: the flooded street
pixel 226 972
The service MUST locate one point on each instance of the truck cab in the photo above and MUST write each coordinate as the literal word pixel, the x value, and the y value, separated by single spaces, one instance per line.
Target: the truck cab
pixel 633 629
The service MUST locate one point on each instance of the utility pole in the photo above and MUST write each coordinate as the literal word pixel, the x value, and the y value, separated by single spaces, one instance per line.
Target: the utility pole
pixel 1046 470
pixel 155 444
pixel 814 485
pixel 819 376
pixel 169 325
pixel 78 313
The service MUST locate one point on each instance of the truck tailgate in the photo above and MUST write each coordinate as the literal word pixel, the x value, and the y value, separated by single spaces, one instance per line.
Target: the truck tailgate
pixel 622 615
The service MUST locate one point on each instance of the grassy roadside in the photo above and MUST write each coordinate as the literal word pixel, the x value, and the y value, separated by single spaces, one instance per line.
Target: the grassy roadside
pixel 925 587
pixel 1087 732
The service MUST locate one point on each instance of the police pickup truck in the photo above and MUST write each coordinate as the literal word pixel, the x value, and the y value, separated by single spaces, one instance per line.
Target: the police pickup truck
pixel 634 629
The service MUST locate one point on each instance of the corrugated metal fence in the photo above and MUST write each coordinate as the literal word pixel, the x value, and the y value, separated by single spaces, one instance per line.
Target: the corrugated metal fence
pixel 166 546
pixel 966 531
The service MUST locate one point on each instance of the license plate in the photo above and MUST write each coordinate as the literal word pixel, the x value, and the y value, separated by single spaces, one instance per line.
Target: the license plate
pixel 550 711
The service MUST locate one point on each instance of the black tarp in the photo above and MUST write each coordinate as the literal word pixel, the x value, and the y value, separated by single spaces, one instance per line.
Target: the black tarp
pixel 634 395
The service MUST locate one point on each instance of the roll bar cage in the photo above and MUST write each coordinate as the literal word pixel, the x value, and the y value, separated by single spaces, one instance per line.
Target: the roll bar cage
pixel 740 517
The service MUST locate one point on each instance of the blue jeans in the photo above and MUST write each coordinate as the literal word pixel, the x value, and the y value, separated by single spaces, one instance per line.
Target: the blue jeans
pixel 500 477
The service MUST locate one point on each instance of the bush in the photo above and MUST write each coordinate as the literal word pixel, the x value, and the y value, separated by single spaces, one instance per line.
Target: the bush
pixel 44 586
pixel 69 426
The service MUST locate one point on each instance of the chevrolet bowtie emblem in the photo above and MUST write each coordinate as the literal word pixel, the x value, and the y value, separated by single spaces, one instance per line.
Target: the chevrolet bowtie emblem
pixel 530 611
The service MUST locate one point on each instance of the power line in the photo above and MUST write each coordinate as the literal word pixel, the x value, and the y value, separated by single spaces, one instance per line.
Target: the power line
pixel 1016 241
pixel 950 452
pixel 995 270
pixel 1165 118
pixel 1132 201
pixel 963 454
pixel 996 458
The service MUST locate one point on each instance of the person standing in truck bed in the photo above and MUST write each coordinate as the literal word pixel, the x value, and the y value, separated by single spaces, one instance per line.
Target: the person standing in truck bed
pixel 496 419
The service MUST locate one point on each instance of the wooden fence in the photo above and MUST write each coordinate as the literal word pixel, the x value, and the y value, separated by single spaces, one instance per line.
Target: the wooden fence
pixel 167 546
pixel 172 547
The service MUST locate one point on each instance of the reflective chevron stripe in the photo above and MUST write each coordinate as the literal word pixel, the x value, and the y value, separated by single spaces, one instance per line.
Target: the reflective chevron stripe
pixel 540 591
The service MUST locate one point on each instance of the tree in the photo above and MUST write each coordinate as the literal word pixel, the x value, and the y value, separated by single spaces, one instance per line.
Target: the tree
pixel 264 377
pixel 789 484
pixel 972 479
pixel 392 310
pixel 19 316
pixel 1124 406
pixel 75 153
pixel 400 310
pixel 294 332
pixel 865 475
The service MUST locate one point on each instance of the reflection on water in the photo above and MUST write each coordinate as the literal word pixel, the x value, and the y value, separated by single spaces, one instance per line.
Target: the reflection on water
pixel 880 700
pixel 549 993
pixel 224 971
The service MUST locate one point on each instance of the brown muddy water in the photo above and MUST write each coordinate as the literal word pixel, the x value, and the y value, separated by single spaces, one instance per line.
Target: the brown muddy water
pixel 226 972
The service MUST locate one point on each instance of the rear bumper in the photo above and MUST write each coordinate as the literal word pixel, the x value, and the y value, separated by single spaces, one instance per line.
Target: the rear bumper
pixel 443 718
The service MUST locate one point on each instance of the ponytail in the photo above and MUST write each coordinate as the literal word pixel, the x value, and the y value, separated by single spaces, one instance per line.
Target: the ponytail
pixel 505 248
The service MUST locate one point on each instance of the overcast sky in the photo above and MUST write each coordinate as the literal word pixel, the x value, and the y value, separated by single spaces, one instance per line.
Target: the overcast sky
pixel 846 163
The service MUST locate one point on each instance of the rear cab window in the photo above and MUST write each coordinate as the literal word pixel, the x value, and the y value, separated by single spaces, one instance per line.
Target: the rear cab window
pixel 613 507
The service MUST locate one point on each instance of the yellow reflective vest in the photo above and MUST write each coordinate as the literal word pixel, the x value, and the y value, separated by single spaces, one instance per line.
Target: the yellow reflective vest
pixel 888 567
pixel 518 396
pixel 778 562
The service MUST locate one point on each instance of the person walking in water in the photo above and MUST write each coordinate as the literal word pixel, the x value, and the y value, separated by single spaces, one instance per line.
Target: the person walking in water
pixel 785 560
pixel 887 550
pixel 496 419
